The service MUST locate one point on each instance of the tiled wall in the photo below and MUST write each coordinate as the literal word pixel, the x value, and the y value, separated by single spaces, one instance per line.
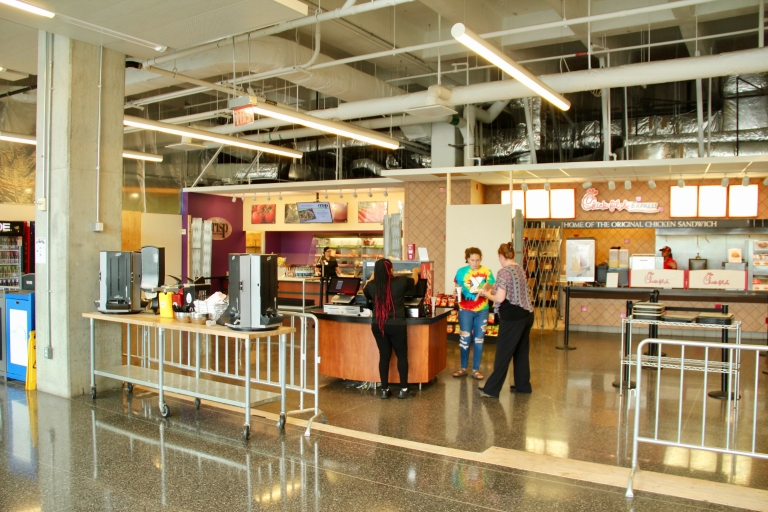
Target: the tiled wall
pixel 424 214
pixel 604 315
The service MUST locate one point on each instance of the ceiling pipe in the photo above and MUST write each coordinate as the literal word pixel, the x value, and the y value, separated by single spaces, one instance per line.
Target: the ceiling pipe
pixel 629 75
pixel 281 27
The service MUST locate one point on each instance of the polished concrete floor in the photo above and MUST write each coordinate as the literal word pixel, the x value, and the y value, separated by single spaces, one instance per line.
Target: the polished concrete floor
pixel 117 453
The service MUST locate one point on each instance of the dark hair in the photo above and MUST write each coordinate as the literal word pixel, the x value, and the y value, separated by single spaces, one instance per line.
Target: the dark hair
pixel 469 251
pixel 326 249
pixel 507 250
pixel 383 303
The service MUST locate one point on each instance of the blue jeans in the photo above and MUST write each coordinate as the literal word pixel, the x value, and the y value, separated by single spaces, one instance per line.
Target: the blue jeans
pixel 472 323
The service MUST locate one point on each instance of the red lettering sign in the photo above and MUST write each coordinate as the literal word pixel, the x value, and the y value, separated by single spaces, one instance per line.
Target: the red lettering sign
pixel 650 280
pixel 709 279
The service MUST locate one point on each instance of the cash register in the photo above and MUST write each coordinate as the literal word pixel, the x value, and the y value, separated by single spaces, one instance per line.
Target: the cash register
pixel 414 300
pixel 344 289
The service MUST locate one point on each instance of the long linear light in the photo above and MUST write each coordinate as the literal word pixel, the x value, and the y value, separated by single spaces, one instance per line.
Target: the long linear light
pixel 24 6
pixel 138 155
pixel 493 55
pixel 265 108
pixel 148 124
pixel 18 137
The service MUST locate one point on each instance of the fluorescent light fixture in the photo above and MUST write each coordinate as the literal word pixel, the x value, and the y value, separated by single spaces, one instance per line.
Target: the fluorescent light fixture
pixel 24 6
pixel 611 185
pixel 524 186
pixel 627 185
pixel 18 137
pixel 745 181
pixel 270 109
pixel 586 184
pixel 724 182
pixel 157 126
pixel 547 186
pixel 493 55
pixel 681 183
pixel 138 155
pixel 651 184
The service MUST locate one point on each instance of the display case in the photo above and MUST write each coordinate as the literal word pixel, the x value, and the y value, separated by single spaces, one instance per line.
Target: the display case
pixel 351 251
pixel 757 264
pixel 449 302
pixel 11 262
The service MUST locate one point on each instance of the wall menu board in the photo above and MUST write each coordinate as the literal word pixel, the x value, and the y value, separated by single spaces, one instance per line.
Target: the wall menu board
pixel 314 212
pixel 338 212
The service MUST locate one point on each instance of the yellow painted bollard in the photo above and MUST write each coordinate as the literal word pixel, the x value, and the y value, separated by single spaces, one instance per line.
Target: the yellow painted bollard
pixel 31 362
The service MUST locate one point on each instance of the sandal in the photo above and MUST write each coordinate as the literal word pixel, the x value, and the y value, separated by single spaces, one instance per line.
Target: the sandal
pixel 477 375
pixel 460 373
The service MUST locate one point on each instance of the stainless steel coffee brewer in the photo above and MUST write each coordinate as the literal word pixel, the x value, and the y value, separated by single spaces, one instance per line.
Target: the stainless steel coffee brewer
pixel 252 293
pixel 119 282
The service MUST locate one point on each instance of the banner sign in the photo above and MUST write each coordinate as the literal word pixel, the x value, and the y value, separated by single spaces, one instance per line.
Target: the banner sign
pixel 589 203
pixel 657 278
pixel 699 223
pixel 717 279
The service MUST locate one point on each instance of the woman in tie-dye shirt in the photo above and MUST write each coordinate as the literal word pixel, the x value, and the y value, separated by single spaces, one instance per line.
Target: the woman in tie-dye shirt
pixel 473 310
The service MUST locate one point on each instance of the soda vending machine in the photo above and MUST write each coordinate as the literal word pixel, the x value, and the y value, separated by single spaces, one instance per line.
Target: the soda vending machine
pixel 13 260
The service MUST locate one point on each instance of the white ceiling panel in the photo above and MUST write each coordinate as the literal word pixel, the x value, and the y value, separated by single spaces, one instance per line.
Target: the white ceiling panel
pixel 18 47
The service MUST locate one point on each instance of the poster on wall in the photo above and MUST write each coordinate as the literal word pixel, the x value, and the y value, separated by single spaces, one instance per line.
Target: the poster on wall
pixel 338 212
pixel 371 211
pixel 263 214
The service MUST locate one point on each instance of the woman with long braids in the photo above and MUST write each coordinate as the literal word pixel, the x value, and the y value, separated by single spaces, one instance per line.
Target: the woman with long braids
pixel 387 292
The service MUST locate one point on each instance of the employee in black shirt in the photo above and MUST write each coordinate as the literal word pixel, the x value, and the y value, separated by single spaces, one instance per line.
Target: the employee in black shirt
pixel 328 267
pixel 387 292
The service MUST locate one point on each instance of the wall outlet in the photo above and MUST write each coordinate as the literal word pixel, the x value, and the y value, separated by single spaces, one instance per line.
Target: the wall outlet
pixel 48 352
pixel 98 227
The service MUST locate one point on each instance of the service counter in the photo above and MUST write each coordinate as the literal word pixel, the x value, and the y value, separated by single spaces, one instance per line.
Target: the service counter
pixel 348 349
pixel 295 292
pixel 601 309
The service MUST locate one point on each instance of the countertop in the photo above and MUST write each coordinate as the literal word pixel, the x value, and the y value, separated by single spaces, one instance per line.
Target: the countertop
pixel 745 296
pixel 368 319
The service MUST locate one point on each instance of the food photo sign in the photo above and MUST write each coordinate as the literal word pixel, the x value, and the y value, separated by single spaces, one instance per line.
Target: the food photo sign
pixel 338 213
pixel 371 211
pixel 263 214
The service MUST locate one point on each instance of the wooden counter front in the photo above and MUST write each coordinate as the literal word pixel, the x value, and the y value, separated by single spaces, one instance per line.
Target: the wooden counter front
pixel 348 349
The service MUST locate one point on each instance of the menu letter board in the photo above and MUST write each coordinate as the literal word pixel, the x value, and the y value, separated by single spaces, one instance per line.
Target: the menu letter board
pixel 314 212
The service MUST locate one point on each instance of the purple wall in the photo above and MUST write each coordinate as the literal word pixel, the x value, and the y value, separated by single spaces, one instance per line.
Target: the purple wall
pixel 207 206
pixel 296 247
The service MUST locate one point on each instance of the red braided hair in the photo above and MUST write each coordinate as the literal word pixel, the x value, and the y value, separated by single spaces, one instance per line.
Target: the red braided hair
pixel 382 276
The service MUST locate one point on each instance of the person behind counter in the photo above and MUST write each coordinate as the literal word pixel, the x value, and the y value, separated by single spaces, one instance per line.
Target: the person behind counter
pixel 515 312
pixel 473 310
pixel 666 253
pixel 327 265
pixel 387 292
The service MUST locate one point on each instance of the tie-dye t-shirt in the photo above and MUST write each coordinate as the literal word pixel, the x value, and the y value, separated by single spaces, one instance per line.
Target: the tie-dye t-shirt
pixel 468 279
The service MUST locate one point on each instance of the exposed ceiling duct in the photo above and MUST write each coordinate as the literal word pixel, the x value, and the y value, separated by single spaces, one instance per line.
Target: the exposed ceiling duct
pixel 629 75
pixel 267 54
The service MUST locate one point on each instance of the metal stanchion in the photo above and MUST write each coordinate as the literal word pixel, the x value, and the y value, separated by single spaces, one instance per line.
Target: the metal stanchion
pixel 567 325
pixel 626 372
pixel 724 393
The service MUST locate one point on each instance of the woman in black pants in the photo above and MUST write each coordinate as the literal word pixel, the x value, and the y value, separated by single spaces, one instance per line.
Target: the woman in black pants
pixel 387 292
pixel 515 312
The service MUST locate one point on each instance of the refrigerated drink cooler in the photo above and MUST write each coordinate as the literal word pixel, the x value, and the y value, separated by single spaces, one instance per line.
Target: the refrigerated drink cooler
pixel 757 264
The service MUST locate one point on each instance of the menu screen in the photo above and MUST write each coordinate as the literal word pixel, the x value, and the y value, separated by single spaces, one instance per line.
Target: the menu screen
pixel 314 212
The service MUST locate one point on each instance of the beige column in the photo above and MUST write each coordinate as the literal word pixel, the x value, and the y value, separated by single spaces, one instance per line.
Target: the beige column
pixel 79 198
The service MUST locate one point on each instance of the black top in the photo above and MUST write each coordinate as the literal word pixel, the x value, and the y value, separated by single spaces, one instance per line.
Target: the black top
pixel 400 285
pixel 328 267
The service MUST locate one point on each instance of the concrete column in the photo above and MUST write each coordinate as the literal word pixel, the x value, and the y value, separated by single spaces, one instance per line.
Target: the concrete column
pixel 70 163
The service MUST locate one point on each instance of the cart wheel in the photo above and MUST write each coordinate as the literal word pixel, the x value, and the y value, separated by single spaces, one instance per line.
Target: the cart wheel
pixel 246 432
pixel 93 393
pixel 128 388
pixel 165 411
pixel 197 403
pixel 281 422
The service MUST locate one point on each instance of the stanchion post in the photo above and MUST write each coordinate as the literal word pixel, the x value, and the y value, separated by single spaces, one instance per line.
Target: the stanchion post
pixel 724 393
pixel 626 372
pixel 567 325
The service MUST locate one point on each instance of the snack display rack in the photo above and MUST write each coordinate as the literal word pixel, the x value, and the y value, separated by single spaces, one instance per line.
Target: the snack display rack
pixel 449 301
